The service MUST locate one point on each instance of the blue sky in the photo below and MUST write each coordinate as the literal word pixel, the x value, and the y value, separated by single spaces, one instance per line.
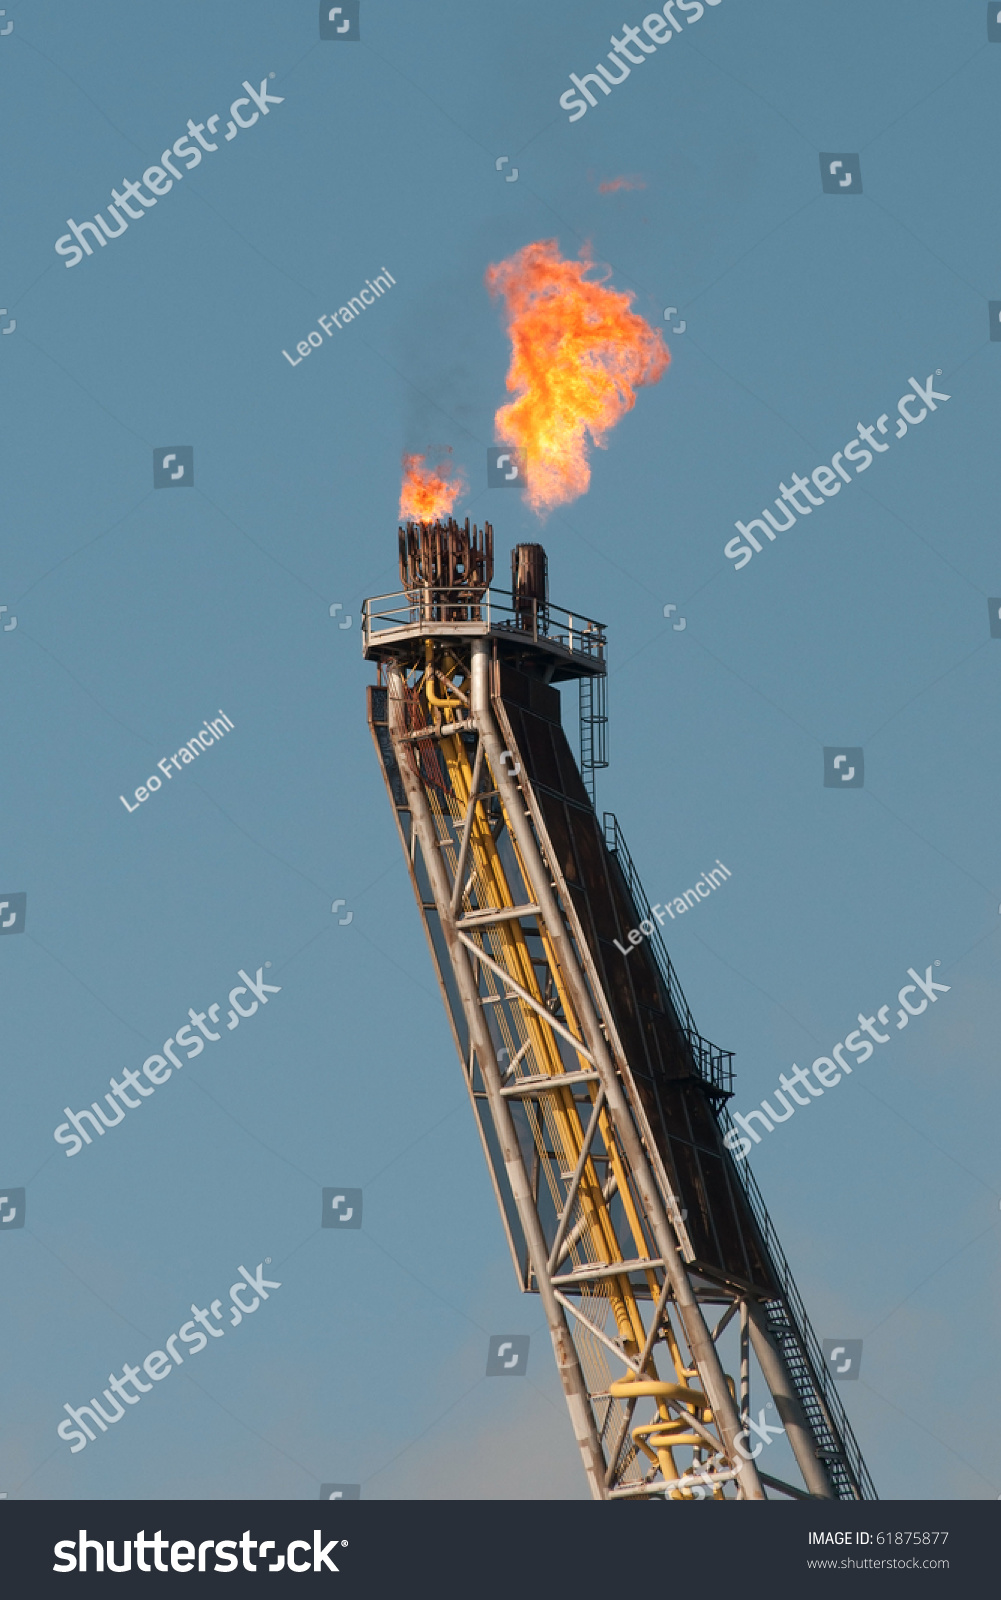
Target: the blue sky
pixel 142 612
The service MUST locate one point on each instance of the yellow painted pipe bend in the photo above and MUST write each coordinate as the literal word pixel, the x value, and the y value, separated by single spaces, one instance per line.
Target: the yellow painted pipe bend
pixel 435 700
pixel 632 1388
pixel 428 684
pixel 659 1442
pixel 668 1432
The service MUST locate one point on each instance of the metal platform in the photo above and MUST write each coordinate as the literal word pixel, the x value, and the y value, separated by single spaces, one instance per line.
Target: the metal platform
pixel 569 644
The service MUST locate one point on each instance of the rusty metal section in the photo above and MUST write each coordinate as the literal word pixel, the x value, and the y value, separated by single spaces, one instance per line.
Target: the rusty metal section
pixel 529 582
pixel 448 556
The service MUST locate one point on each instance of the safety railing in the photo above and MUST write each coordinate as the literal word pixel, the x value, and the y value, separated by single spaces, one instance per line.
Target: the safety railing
pixel 530 619
pixel 819 1380
pixel 714 1066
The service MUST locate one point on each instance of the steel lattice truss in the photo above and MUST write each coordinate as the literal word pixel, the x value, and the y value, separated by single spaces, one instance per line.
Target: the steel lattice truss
pixel 613 1206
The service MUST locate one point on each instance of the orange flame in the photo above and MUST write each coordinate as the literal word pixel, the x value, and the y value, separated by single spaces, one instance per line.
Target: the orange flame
pixel 610 185
pixel 428 493
pixel 578 354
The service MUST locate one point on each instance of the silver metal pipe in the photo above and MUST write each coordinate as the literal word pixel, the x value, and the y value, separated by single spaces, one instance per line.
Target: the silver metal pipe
pixel 579 1228
pixel 467 829
pixel 578 1173
pixel 490 919
pixel 788 1405
pixel 724 1320
pixel 545 1083
pixel 617 1351
pixel 526 1047
pixel 523 994
pixel 745 1367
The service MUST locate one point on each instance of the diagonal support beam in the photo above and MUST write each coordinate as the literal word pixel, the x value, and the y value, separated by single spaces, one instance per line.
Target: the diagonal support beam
pixel 529 999
pixel 724 1320
pixel 580 1227
pixel 467 829
pixel 526 1047
pixel 578 1173
pixel 610 1344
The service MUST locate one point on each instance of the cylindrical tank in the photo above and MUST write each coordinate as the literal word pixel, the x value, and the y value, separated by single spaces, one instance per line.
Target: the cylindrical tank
pixel 529 585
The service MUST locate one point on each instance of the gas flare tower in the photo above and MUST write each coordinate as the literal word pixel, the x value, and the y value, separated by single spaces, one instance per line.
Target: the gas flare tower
pixel 600 1106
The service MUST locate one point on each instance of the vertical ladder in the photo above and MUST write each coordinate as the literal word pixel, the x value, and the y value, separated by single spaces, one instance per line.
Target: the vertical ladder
pixel 593 729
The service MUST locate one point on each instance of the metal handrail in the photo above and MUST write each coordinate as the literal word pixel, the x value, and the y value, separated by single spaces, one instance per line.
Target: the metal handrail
pixel 801 1323
pixel 714 1065
pixel 581 636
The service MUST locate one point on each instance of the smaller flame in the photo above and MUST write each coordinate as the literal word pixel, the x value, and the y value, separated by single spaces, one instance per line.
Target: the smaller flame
pixel 428 493
pixel 611 184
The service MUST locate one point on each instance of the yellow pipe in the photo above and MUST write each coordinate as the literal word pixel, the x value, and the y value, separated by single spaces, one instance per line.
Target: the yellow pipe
pixel 675 1349
pixel 633 1388
pixel 428 685
pixel 663 1443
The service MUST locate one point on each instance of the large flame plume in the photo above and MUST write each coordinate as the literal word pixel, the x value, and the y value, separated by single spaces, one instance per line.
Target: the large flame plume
pixel 579 352
pixel 428 493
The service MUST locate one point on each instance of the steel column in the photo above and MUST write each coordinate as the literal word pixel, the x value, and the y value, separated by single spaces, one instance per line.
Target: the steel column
pixel 788 1406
